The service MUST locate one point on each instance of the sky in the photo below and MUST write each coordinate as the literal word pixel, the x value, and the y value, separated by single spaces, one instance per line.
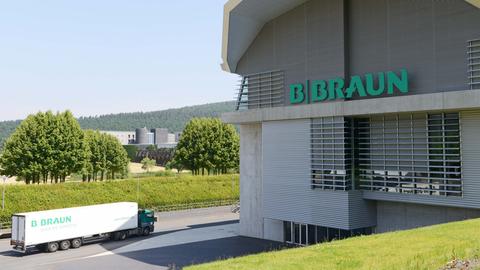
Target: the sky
pixel 99 57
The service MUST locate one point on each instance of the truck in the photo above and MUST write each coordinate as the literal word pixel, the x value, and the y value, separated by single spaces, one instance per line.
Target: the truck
pixel 66 228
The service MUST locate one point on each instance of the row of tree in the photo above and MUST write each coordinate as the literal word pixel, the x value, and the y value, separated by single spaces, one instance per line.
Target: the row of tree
pixel 173 119
pixel 48 146
pixel 207 145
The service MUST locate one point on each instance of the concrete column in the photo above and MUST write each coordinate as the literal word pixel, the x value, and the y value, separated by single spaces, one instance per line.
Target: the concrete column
pixel 251 195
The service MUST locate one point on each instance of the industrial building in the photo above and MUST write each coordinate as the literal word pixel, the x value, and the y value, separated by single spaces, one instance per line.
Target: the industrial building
pixel 125 137
pixel 355 116
pixel 144 137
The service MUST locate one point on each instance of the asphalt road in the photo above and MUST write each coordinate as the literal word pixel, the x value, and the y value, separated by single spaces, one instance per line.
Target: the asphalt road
pixel 181 238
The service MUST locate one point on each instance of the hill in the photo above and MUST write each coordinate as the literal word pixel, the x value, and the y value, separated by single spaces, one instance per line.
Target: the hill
pixel 424 248
pixel 173 119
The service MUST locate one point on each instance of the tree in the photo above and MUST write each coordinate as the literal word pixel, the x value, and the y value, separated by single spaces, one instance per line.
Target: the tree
pixel 44 145
pixel 106 157
pixel 116 156
pixel 207 145
pixel 66 141
pixel 148 163
pixel 47 145
pixel 131 151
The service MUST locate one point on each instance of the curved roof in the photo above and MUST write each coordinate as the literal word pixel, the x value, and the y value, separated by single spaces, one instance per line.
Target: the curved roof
pixel 243 20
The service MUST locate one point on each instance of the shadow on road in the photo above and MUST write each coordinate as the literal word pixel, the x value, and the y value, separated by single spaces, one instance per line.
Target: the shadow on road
pixel 112 245
pixel 179 256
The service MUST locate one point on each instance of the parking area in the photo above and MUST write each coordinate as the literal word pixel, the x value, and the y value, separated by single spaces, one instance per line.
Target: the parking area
pixel 181 238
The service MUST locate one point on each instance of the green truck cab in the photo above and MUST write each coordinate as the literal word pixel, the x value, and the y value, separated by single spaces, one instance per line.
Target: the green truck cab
pixel 146 220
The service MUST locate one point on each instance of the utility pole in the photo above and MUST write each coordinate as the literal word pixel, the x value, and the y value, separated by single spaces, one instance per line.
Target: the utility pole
pixel 138 188
pixel 3 192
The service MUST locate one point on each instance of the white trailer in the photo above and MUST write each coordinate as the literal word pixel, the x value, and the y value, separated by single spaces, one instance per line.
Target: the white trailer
pixel 71 227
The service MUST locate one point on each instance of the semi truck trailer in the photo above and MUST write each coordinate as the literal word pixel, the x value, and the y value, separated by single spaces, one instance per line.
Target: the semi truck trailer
pixel 61 229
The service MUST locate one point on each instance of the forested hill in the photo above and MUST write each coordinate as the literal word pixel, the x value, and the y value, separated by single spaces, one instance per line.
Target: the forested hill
pixel 173 119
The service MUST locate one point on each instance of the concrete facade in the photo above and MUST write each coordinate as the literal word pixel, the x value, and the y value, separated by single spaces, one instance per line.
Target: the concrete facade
pixel 392 216
pixel 251 205
pixel 286 185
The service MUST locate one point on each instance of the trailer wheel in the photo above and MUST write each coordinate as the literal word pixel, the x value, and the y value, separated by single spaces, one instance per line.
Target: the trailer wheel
pixel 146 231
pixel 52 247
pixel 76 243
pixel 64 245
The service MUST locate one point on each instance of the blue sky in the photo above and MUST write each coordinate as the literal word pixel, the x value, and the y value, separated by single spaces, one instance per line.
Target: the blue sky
pixel 98 57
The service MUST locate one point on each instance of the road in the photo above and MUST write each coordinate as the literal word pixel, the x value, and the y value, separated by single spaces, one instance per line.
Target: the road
pixel 181 238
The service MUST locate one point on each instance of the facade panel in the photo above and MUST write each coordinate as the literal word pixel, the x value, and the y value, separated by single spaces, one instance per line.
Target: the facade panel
pixel 428 38
pixel 394 216
pixel 287 190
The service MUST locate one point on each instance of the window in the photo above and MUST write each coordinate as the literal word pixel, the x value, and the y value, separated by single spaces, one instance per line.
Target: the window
pixel 331 153
pixel 409 153
pixel 306 234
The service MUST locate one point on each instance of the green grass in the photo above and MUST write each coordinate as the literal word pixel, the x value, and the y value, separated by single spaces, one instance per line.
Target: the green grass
pixel 424 248
pixel 157 191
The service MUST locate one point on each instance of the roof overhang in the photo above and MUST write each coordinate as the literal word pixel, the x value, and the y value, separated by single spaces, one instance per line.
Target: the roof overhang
pixel 243 20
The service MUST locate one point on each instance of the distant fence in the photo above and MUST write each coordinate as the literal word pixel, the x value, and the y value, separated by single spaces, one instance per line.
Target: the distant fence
pixel 186 206
pixel 174 207
pixel 5 225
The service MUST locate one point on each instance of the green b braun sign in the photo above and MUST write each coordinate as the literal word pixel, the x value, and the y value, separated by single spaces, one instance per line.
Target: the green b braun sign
pixel 370 85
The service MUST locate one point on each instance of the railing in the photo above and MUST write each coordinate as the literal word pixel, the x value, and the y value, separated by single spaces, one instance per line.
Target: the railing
pixel 473 57
pixel 5 225
pixel 195 205
pixel 261 90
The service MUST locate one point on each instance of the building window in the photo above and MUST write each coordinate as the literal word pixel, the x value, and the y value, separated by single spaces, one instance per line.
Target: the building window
pixel 306 234
pixel 331 153
pixel 409 153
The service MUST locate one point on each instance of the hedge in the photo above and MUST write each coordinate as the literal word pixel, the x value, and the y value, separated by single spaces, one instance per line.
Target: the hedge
pixel 154 192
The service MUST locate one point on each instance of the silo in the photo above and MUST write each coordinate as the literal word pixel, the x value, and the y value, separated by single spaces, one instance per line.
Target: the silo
pixel 141 135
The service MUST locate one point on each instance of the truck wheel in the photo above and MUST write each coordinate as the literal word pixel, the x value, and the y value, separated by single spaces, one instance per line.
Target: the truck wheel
pixel 122 236
pixel 146 231
pixel 52 247
pixel 76 243
pixel 64 245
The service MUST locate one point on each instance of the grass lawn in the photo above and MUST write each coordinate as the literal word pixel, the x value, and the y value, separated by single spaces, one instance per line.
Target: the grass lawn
pixel 423 248
pixel 159 191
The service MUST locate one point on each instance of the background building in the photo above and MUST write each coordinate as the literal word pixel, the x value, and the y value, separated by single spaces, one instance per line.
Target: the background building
pixel 355 116
pixel 125 137
pixel 142 136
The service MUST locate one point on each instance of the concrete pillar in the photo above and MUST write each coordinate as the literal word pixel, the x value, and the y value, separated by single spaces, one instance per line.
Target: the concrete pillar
pixel 251 184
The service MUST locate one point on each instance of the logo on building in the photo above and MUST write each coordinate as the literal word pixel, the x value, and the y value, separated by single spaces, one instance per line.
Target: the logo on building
pixel 333 89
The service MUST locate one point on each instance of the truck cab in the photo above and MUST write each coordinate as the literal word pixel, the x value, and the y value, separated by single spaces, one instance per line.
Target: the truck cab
pixel 146 220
